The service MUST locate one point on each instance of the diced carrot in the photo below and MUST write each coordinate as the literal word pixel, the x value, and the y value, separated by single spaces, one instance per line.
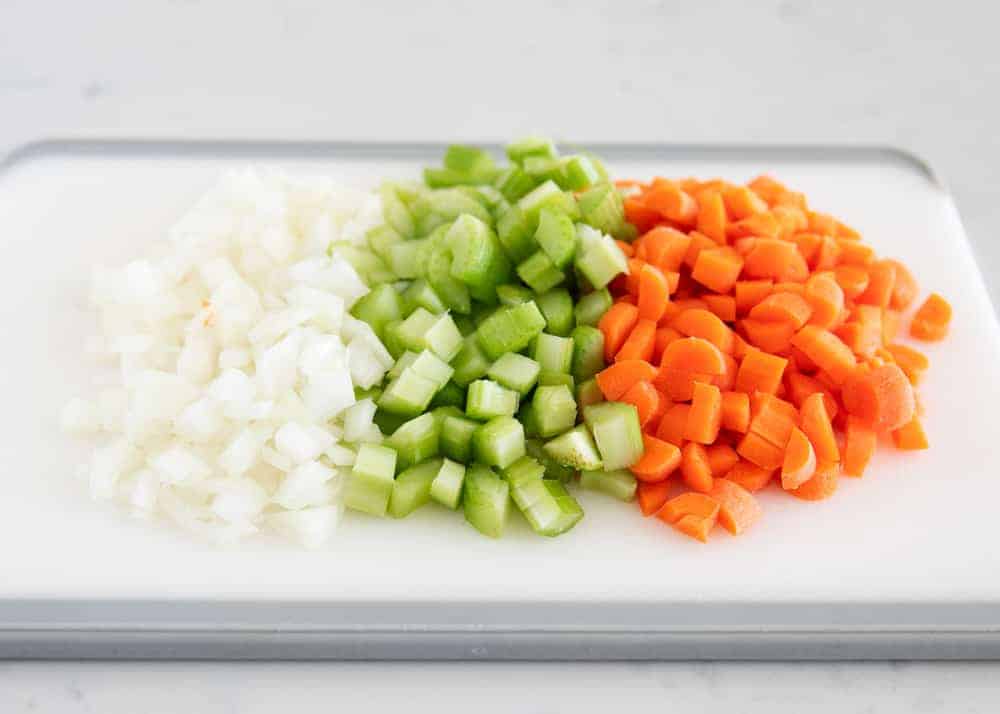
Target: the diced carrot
pixel 782 307
pixel 632 277
pixel 664 336
pixel 891 320
pixel 905 289
pixel 862 333
pixel 652 496
pixel 658 461
pixel 859 446
pixel 760 224
pixel 855 253
pixel 772 337
pixel 699 242
pixel 646 400
pixel 705 417
pixel 678 384
pixel 826 350
pixel 705 324
pixel 738 509
pixel 750 476
pixel 673 424
pixel 718 268
pixel 640 342
pixel 625 248
pixel 912 362
pixel 666 248
pixel 760 371
pixel 818 427
pixel 690 503
pixel 639 214
pixel 695 468
pixel 761 452
pixel 791 220
pixel 881 282
pixel 776 259
pixel 827 254
pixel 882 397
pixel 667 198
pixel 772 418
pixel 727 379
pixel 749 293
pixel 741 202
pixel 910 436
pixel 822 485
pixel 736 411
pixel 807 244
pixel 654 292
pixel 617 324
pixel 826 298
pixel 800 461
pixel 852 279
pixel 712 216
pixel 693 355
pixel 768 188
pixel 722 306
pixel 618 378
pixel 932 319
pixel 721 458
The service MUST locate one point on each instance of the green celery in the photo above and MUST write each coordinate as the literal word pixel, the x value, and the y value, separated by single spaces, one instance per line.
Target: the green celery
pixel 409 394
pixel 453 292
pixel 514 295
pixel 553 469
pixel 549 509
pixel 499 442
pixel 486 399
pixel 529 146
pixel 576 449
pixel 381 238
pixel 588 393
pixel 370 483
pixel 539 272
pixel 415 441
pixel 412 488
pixel 383 304
pixel 509 329
pixel 486 500
pixel 548 378
pixel 420 294
pixel 477 257
pixel 548 195
pixel 598 257
pixel 556 236
pixel 471 362
pixel 446 488
pixel 557 308
pixel 615 426
pixel 592 306
pixel 516 233
pixel 395 212
pixel 554 410
pixel 515 371
pixel 602 207
pixel 588 352
pixel 553 354
pixel 620 484
pixel 456 437
pixel 449 395
pixel 408 259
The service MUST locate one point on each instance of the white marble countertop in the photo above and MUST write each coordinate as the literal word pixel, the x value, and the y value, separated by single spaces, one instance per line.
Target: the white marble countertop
pixel 895 72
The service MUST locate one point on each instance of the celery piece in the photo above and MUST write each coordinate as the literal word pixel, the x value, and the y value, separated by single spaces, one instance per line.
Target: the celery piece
pixel 539 272
pixel 372 393
pixel 429 366
pixel 509 329
pixel 588 352
pixel 544 169
pixel 456 437
pixel 598 258
pixel 370 483
pixel 446 488
pixel 620 484
pixel 450 203
pixel 409 394
pixel 395 212
pixel 416 440
pixel 409 192
pixel 524 469
pixel 443 412
pixel 521 149
pixel 413 330
pixel 553 469
pixel 391 339
pixel 387 422
pixel 467 159
pixel 477 257
pixel 548 195
pixel 383 304
pixel 548 378
pixel 450 395
pixel 576 449
pixel 515 371
pixel 436 238
pixel 592 306
pixel 579 172
pixel 513 294
pixel 436 177
pixel 412 488
pixel 465 324
pixel 471 362
pixel 404 361
pixel 517 234
pixel 485 500
pixel 419 293
pixel 514 182
pixel 554 410
pixel 381 238
pixel 486 399
pixel 588 393
pixel 499 442
pixel 408 259
pixel 438 333
pixel 553 354
pixel 602 207
pixel 546 505
pixel 453 292
pixel 557 309
pixel 486 195
pixel 367 264
pixel 616 430
pixel 526 415
pixel 556 236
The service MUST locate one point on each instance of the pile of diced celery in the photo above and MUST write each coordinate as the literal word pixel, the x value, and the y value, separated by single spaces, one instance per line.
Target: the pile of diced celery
pixel 487 286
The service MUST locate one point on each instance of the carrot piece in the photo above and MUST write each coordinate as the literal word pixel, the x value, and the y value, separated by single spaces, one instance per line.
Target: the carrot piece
pixel 910 436
pixel 699 242
pixel 760 371
pixel 852 279
pixel 741 202
pixel 863 332
pixel 787 287
pixel 776 259
pixel 695 469
pixel 667 199
pixel 717 268
pixel 768 188
pixel 693 355
pixel 818 427
pixel 678 384
pixel 652 496
pixel 759 451
pixel 912 362
pixel 690 503
pixel 664 336
pixel 931 319
pixel 800 461
pixel 705 417
pixel 859 446
pixel 659 460
pixel 822 485
pixel 705 324
pixel 617 324
pixel 640 342
pixel 617 379
pixel 882 397
pixel 749 293
pixel 822 223
pixel 666 248
pixel 721 458
pixel 827 254
pixel 807 244
pixel 697 527
pixel 774 337
pixel 654 292
pixel 750 476
pixel 646 400
pixel 881 282
pixel 727 379
pixel 826 298
pixel 738 509
pixel 772 418
pixel 791 220
pixel 632 276
pixel 891 320
pixel 905 289
pixel 854 253
pixel 639 252
pixel 760 224
pixel 722 306
pixel 639 214
pixel 782 307
pixel 673 424
pixel 827 351
pixel 626 248
pixel 736 411
pixel 712 216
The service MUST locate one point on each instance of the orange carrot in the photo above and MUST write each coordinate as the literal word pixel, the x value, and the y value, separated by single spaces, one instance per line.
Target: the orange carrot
pixel 705 417
pixel 658 461
pixel 697 527
pixel 721 458
pixel 666 248
pixel 855 253
pixel 881 282
pixel 722 306
pixel 736 411
pixel 646 400
pixel 749 293
pixel 652 496
pixel 699 242
pixel 706 325
pixel 695 468
pixel 750 476
pixel 616 324
pixel 693 354
pixel 741 202
pixel 617 379
pixel 826 298
pixel 826 350
pixel 859 446
pixel 712 216
pixel 738 509
pixel 905 289
pixel 782 307
pixel 852 279
pixel 672 425
pixel 625 248
pixel 818 427
pixel 800 461
pixel 771 337
pixel 912 362
pixel 691 503
pixel 931 319
pixel 717 268
pixel 821 485
pixel 760 371
pixel 664 336
pixel 776 259
pixel 801 386
pixel 882 398
pixel 640 342
pixel 654 292
pixel 772 418
pixel 910 436
pixel 760 452
pixel 667 198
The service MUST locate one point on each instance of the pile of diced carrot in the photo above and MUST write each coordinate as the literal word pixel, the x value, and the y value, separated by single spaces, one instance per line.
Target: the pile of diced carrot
pixel 757 340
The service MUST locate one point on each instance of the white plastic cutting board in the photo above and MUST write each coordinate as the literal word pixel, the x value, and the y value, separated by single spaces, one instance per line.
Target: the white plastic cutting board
pixel 918 528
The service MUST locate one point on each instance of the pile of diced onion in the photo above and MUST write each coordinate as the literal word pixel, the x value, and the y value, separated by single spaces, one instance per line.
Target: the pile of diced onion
pixel 238 363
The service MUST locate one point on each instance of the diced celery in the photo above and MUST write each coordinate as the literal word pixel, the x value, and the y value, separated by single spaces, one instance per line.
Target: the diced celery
pixel 408 259
pixel 372 393
pixel 517 234
pixel 409 192
pixel 526 415
pixel 438 333
pixel 465 324
pixel 521 149
pixel 404 361
pixel 482 312
pixel 514 183
pixel 395 212
pixel 539 272
pixel 588 393
pixel 515 371
pixel 420 294
pixel 553 354
pixel 392 340
pixel 509 329
pixel 430 366
pixel 471 362
pixel 554 410
pixel 369 485
pixel 415 441
pixel 486 399
pixel 486 195
pixel 553 469
pixel 548 378
pixel 616 430
pixel 597 256
pixel 546 505
pixel 485 500
pixel 413 330
pixel 412 488
pixel 443 412
pixel 601 207
pixel 588 352
pixel 514 294
pixel 381 238
pixel 449 395
pixel 453 292
pixel 437 237
pixel 576 449
pixel 579 172
pixel 477 258
pixel 524 469
pixel 436 177
pixel 446 488
pixel 456 437
pixel 367 264
pixel 383 304
pixel 387 422
pixel 548 195
pixel 409 394
pixel 556 236
pixel 467 159
pixel 450 203
pixel 557 309
pixel 499 442
pixel 620 484
pixel 592 306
